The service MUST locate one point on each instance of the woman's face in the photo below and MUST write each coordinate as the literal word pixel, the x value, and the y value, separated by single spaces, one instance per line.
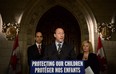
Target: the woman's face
pixel 86 47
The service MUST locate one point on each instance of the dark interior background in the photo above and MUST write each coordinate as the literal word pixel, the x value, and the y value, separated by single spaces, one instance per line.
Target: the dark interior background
pixel 60 17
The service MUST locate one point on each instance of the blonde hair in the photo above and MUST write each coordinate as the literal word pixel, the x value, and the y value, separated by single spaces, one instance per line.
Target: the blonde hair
pixel 90 46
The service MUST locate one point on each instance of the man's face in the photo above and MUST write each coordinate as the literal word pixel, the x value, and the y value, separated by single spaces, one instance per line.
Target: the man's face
pixel 59 35
pixel 38 37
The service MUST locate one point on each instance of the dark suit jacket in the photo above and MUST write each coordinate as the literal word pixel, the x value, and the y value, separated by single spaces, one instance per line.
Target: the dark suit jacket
pixel 33 53
pixel 92 62
pixel 67 52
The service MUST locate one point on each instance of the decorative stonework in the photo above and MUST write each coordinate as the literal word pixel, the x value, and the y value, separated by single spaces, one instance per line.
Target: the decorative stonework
pixel 106 30
pixel 10 30
pixel 42 6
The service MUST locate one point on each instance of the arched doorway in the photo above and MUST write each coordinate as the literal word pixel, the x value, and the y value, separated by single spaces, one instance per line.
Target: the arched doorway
pixel 60 17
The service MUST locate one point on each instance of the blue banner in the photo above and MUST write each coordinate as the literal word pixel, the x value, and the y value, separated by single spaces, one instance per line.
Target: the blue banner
pixel 57 67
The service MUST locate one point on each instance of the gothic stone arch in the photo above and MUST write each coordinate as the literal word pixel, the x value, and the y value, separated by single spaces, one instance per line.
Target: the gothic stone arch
pixel 36 9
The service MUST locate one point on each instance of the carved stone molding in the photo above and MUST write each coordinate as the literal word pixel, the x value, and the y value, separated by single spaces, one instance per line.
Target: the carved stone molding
pixel 10 30
pixel 106 30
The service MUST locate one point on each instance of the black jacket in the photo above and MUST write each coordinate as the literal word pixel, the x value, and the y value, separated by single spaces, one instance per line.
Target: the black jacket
pixel 92 62
pixel 67 52
pixel 33 53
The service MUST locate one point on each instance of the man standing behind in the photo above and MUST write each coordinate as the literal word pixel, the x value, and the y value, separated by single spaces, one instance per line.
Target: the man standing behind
pixel 36 51
pixel 59 50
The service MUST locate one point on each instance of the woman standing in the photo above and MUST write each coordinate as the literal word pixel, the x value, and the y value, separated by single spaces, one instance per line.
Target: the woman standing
pixel 90 59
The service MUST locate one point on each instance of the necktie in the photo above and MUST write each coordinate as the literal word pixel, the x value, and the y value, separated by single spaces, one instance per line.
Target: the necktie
pixel 39 48
pixel 59 48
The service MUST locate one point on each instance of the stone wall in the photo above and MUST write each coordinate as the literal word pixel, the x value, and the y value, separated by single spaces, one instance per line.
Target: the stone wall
pixel 87 13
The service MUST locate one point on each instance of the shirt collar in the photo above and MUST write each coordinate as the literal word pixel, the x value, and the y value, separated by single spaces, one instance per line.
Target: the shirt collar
pixel 38 44
pixel 58 43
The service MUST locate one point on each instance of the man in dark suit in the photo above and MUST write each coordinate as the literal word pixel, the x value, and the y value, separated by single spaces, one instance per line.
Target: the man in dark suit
pixel 36 51
pixel 59 50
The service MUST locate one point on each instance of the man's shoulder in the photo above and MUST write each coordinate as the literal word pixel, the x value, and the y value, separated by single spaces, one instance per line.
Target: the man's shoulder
pixel 67 45
pixel 32 46
pixel 44 45
pixel 50 45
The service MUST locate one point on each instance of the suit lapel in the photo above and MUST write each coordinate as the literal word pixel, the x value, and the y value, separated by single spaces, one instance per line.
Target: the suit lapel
pixel 35 47
pixel 42 48
pixel 63 47
pixel 55 48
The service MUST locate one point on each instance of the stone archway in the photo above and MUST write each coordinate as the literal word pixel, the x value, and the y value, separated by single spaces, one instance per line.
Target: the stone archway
pixel 36 9
pixel 58 16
